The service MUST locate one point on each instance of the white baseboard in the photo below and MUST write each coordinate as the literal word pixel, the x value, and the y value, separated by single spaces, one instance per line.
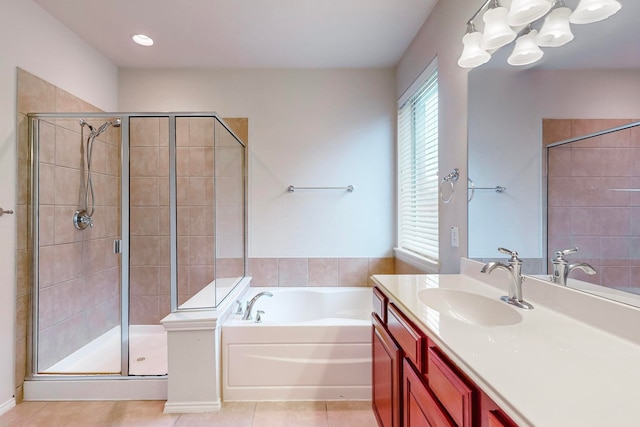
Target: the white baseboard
pixel 96 389
pixel 6 406
pixel 191 407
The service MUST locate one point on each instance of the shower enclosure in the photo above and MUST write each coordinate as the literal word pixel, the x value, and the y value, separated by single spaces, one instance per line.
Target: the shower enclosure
pixel 131 215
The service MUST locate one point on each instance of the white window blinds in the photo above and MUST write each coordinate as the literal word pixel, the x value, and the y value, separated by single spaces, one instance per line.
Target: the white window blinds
pixel 418 168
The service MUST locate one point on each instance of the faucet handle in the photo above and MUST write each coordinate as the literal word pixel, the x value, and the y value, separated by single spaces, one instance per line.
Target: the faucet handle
pixel 512 254
pixel 561 254
pixel 259 314
pixel 508 252
pixel 239 309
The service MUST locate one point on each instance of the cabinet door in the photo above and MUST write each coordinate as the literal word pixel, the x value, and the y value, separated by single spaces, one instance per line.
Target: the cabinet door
pixel 497 419
pixel 386 356
pixel 421 408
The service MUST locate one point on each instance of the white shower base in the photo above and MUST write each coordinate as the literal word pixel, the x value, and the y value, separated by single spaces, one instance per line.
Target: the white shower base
pixel 147 353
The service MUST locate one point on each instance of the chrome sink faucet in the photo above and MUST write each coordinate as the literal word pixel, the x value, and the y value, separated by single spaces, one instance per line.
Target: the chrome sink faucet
pixel 562 268
pixel 247 311
pixel 514 268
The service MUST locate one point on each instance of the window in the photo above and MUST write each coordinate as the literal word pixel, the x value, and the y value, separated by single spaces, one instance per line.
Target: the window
pixel 418 171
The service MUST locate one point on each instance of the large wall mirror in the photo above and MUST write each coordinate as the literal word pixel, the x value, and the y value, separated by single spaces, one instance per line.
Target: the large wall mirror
pixel 596 76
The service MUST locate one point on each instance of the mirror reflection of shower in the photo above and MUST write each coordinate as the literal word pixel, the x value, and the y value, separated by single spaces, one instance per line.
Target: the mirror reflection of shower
pixel 83 217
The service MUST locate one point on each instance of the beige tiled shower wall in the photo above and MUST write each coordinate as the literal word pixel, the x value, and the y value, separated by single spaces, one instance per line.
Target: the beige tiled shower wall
pixel 149 274
pixel 74 265
pixel 583 208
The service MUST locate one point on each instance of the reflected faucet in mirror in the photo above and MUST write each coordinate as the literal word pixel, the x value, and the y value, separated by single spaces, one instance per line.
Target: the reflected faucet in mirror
pixel 514 268
pixel 562 268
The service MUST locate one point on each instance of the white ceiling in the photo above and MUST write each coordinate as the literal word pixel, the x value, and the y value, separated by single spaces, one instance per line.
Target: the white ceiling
pixel 246 33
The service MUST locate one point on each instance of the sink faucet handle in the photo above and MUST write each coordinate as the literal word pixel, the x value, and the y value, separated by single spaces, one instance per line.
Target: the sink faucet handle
pixel 512 254
pixel 259 314
pixel 508 252
pixel 561 254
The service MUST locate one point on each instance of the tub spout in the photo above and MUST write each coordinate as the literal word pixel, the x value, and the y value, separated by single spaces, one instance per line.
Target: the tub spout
pixel 247 311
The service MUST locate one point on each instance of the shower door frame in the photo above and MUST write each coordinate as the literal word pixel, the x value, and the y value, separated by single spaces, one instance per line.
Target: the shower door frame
pixel 125 117
pixel 35 242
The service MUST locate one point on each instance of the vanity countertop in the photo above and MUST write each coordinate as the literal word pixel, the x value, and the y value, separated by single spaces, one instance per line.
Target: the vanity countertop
pixel 545 368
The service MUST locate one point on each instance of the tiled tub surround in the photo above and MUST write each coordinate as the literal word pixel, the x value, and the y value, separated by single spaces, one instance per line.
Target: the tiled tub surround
pixel 317 271
pixel 583 210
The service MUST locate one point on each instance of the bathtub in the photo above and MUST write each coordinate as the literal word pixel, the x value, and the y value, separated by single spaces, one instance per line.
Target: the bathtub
pixel 312 344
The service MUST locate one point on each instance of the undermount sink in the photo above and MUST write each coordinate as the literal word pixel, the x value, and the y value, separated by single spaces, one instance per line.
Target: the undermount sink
pixel 468 307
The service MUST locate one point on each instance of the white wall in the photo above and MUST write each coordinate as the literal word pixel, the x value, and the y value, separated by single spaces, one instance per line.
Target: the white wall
pixel 321 127
pixel 506 109
pixel 34 41
pixel 441 35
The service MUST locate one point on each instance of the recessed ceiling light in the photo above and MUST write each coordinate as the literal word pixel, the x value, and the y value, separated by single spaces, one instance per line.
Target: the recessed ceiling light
pixel 142 40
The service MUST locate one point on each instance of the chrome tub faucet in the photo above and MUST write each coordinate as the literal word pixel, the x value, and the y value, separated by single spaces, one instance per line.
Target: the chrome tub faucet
pixel 514 268
pixel 247 311
pixel 562 268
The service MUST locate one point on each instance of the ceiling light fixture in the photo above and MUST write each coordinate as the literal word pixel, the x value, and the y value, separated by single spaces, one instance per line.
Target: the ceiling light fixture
pixel 555 30
pixel 523 12
pixel 472 55
pixel 589 11
pixel 497 31
pixel 142 40
pixel 526 50
pixel 502 26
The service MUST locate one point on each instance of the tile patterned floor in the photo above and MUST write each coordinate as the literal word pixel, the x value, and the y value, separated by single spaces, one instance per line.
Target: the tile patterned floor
pixel 149 413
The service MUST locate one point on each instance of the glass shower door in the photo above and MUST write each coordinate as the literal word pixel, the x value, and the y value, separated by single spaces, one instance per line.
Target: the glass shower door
pixel 76 201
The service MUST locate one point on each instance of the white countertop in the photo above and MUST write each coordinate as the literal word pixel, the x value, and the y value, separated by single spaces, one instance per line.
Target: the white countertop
pixel 547 370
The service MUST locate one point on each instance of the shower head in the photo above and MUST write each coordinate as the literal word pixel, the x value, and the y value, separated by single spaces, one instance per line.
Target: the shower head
pixel 83 122
pixel 95 132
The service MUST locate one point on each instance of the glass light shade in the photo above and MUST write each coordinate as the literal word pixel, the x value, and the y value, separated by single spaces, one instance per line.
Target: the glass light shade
pixel 497 32
pixel 526 51
pixel 589 11
pixel 472 54
pixel 556 30
pixel 522 12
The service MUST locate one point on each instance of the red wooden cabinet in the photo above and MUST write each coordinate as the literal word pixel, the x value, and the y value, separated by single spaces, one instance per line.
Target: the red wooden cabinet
pixel 452 391
pixel 386 367
pixel 420 406
pixel 415 384
pixel 498 419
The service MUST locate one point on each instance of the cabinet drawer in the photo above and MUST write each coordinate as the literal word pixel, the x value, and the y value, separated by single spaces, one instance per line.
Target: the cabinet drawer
pixel 380 305
pixel 451 390
pixel 408 337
